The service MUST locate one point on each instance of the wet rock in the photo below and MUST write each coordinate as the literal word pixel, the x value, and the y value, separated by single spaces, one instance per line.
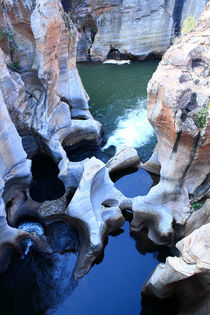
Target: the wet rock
pixel 42 101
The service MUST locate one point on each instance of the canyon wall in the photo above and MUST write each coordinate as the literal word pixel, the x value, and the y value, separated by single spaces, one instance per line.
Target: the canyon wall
pixel 179 109
pixel 128 29
pixel 43 106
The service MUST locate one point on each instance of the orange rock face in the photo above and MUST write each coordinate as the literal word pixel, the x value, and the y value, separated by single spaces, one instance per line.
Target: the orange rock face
pixel 178 109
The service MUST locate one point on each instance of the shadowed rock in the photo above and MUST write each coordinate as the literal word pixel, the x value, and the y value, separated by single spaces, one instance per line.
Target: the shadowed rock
pixel 185 275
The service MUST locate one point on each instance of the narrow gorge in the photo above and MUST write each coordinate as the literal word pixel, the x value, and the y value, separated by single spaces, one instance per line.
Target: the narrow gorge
pixel 104 166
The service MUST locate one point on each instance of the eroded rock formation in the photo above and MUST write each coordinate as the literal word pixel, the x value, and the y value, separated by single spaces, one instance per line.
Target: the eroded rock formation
pixel 41 99
pixel 128 29
pixel 187 275
pixel 178 109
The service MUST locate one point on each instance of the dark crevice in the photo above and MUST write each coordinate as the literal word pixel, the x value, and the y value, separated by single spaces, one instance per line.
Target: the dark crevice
pixel 67 5
pixel 198 63
pixel 117 55
pixel 45 185
pixel 176 144
pixel 177 16
pixel 191 158
pixel 202 189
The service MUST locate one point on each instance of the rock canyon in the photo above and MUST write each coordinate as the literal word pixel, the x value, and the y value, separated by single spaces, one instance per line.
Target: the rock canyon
pixel 44 111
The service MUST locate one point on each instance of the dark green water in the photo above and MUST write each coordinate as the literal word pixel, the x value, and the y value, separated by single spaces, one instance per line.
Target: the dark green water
pixel 118 100
pixel 41 284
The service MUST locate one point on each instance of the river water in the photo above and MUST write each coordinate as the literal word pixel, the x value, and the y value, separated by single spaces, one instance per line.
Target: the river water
pixel 118 100
pixel 41 284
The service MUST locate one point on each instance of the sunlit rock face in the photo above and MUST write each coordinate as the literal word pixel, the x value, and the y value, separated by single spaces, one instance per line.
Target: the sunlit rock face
pixel 117 29
pixel 186 275
pixel 178 109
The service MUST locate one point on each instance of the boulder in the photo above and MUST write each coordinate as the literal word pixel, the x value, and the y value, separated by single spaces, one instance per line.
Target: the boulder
pixel 125 157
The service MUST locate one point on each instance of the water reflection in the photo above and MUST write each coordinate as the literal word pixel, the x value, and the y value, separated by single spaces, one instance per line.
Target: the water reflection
pixel 43 284
pixel 39 282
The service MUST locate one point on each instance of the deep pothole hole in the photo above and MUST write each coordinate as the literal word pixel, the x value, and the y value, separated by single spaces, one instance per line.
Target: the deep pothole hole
pixel 45 184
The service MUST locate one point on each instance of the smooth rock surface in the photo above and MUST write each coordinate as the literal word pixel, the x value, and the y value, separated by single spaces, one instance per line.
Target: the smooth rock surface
pixel 46 88
pixel 42 101
pixel 179 275
pixel 125 157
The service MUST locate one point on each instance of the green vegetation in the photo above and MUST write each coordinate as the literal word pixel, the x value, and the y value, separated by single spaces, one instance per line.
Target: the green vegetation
pixel 68 23
pixel 197 205
pixel 9 36
pixel 188 25
pixel 201 116
pixel 15 66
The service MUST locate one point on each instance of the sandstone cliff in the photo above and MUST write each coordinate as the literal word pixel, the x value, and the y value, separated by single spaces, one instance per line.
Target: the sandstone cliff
pixel 178 108
pixel 128 29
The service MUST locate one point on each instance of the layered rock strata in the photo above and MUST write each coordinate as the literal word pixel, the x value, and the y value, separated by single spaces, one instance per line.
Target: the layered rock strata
pixel 178 108
pixel 128 29
pixel 44 102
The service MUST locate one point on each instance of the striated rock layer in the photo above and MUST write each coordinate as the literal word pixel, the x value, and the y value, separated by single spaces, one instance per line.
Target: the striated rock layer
pixel 134 29
pixel 178 108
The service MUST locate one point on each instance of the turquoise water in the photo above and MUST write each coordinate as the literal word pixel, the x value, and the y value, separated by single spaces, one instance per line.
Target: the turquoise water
pixel 118 100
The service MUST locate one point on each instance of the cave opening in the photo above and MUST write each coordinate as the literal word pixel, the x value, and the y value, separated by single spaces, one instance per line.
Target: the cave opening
pixel 45 184
pixel 117 55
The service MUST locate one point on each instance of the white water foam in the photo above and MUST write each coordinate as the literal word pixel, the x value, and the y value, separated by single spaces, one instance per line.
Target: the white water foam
pixel 133 129
pixel 30 227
